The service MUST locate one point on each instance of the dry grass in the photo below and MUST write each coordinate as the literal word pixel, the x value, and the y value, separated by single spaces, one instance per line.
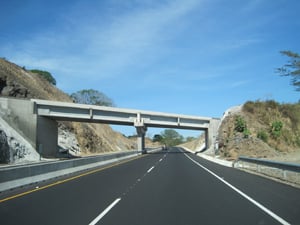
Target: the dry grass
pixel 36 86
pixel 262 114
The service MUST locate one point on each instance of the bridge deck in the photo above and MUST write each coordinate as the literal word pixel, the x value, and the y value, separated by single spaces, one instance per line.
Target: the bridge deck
pixel 90 113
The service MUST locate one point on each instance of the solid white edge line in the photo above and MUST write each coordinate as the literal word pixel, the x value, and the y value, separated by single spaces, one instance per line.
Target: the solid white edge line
pixel 276 217
pixel 96 220
pixel 150 169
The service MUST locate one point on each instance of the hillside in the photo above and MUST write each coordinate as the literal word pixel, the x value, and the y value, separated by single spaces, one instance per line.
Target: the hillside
pixel 87 138
pixel 258 129
pixel 262 129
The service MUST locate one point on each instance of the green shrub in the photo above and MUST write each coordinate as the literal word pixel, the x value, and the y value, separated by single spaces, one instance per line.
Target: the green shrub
pixel 262 135
pixel 276 129
pixel 240 124
pixel 246 133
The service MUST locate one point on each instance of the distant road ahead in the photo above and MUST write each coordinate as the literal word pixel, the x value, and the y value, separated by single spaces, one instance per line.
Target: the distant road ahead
pixel 168 188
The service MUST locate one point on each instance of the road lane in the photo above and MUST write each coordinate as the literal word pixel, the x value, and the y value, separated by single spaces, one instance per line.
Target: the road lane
pixel 244 195
pixel 157 189
pixel 282 199
pixel 78 201
pixel 179 192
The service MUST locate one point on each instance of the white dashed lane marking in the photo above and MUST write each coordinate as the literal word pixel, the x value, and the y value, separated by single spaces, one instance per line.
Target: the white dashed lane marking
pixel 101 215
pixel 150 169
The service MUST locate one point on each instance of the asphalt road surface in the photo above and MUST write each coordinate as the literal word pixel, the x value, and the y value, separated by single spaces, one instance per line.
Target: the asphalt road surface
pixel 168 188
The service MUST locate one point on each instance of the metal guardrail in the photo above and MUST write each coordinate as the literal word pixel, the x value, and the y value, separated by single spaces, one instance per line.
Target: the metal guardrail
pixel 289 172
pixel 280 165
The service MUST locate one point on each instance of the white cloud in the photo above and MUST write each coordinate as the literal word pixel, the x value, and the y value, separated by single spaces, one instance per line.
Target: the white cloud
pixel 89 45
pixel 239 83
pixel 137 37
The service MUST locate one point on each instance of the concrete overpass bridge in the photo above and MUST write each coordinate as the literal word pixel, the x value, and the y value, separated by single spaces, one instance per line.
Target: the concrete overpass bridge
pixel 37 120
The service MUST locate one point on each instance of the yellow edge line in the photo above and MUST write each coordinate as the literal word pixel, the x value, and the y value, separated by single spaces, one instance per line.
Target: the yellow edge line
pixel 69 179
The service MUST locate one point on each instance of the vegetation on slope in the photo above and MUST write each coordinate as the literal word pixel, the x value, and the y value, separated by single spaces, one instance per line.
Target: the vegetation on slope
pixel 279 124
pixel 46 75
pixel 261 129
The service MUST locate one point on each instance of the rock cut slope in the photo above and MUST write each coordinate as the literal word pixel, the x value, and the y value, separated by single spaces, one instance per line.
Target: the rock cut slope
pixel 80 138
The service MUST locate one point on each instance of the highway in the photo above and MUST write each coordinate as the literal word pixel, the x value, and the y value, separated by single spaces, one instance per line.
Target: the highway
pixel 170 187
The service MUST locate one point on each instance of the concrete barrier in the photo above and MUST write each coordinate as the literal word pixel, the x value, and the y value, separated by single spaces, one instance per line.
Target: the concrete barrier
pixel 17 176
pixel 154 150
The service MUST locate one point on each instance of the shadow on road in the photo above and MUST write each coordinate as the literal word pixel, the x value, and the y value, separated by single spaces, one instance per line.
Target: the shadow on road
pixel 172 150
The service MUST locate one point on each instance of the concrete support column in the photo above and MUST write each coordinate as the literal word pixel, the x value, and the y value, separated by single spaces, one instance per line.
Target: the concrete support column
pixel 141 131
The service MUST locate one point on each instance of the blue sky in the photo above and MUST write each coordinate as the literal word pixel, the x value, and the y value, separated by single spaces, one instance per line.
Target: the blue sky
pixel 196 57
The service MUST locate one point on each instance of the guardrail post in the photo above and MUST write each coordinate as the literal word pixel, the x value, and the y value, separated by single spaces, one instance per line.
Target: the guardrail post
pixel 284 174
pixel 258 168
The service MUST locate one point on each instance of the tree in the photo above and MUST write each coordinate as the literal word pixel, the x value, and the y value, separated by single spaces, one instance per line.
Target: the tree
pixel 92 97
pixel 171 137
pixel 45 74
pixel 157 138
pixel 292 68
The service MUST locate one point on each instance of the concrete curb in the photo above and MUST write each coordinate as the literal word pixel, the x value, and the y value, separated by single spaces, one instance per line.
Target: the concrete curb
pixel 211 158
pixel 216 160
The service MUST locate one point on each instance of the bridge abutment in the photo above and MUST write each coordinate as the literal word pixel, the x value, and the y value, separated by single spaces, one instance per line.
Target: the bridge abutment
pixel 47 136
pixel 211 135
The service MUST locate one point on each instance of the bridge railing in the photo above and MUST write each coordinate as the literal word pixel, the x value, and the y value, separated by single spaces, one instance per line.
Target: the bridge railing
pixel 289 172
